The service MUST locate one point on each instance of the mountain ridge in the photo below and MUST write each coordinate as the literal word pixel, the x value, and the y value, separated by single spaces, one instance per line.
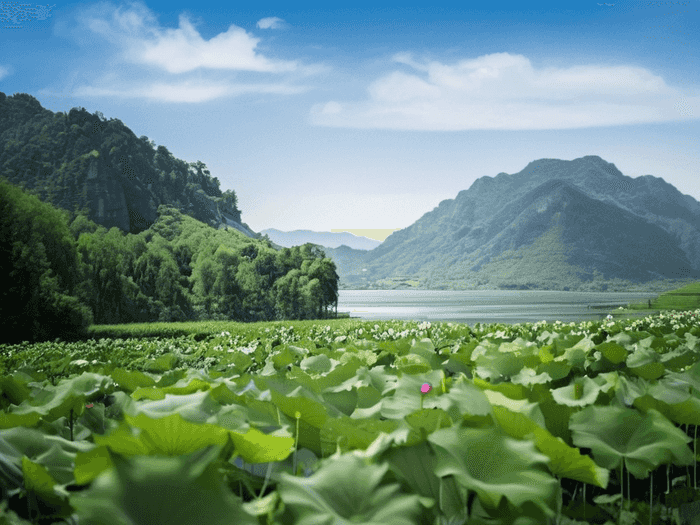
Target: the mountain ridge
pixel 325 239
pixel 623 230
pixel 82 162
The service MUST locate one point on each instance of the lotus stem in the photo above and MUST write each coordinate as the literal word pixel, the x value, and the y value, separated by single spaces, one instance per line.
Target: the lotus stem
pixel 651 493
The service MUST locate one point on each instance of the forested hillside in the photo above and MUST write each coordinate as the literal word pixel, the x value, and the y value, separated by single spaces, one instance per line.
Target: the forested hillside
pixel 59 275
pixel 80 161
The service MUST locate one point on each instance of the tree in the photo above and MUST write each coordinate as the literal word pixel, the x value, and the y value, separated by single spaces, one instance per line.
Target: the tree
pixel 39 271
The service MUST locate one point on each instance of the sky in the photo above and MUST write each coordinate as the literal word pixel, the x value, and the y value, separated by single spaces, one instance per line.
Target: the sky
pixel 363 118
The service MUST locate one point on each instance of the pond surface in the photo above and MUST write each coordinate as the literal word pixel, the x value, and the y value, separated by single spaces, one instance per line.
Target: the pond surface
pixel 485 306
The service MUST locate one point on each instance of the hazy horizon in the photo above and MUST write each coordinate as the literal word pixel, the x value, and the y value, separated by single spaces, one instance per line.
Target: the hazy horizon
pixel 365 118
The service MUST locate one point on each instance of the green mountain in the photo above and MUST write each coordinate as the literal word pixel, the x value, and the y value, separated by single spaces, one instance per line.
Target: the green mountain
pixel 560 225
pixel 101 227
pixel 80 161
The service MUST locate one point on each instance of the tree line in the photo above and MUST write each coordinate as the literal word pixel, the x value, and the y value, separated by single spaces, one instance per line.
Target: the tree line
pixel 61 272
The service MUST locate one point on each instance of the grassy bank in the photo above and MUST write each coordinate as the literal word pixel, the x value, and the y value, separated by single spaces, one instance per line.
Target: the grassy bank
pixel 685 298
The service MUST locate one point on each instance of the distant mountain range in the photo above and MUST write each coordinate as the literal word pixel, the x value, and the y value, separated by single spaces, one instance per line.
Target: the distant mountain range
pixel 325 239
pixel 561 225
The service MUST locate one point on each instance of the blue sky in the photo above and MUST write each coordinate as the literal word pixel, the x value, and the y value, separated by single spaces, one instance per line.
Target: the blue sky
pixel 367 116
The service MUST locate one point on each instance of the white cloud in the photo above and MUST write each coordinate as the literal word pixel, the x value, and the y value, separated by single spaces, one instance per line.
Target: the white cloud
pixel 271 22
pixel 162 53
pixel 504 91
pixel 187 91
pixel 4 72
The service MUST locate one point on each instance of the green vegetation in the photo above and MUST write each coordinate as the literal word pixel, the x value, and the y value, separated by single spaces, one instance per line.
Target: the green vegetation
pixel 64 276
pixel 685 298
pixel 331 422
pixel 74 159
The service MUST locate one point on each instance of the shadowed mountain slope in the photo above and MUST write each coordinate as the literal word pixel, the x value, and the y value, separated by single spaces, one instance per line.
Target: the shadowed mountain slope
pixel 554 225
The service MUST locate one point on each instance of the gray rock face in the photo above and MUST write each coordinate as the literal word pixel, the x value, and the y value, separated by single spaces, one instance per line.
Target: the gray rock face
pixel 122 200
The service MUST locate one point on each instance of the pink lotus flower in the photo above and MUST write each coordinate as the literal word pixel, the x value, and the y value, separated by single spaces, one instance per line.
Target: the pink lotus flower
pixel 425 388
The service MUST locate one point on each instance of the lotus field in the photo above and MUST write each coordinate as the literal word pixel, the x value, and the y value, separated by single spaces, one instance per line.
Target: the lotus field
pixel 340 422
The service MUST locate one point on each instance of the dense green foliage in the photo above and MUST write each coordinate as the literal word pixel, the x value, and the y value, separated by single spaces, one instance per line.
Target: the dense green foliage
pixel 39 274
pixel 179 269
pixel 50 154
pixel 357 422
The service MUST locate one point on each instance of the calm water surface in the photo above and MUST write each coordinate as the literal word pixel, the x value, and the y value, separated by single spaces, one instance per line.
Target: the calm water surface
pixel 484 306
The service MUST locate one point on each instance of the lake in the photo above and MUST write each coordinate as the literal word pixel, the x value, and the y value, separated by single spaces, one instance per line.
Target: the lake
pixel 484 306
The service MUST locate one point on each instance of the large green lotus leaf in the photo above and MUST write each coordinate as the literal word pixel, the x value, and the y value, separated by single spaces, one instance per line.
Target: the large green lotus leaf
pixel 89 465
pixel 415 465
pixel 612 351
pixel 28 417
pixel 407 397
pixel 196 408
pixel 565 461
pixel 523 406
pixel 131 380
pixel 685 413
pixel 256 447
pixel 690 377
pixel 493 363
pixel 429 419
pixel 463 398
pixel 426 350
pixel 301 404
pixel 412 364
pixel 508 389
pixel 679 358
pixel 187 490
pixel 53 452
pixel 668 390
pixel 53 402
pixel 645 363
pixel 529 376
pixel 162 363
pixel 626 390
pixel 14 387
pixel 344 401
pixel 307 413
pixel 352 433
pixel 339 375
pixel 577 354
pixel 643 441
pixel 318 364
pixel 347 490
pixel 495 466
pixel 583 391
pixel 38 481
pixel 299 377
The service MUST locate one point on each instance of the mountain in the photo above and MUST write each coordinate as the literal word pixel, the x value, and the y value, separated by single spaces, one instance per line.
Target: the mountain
pixel 325 239
pixel 577 225
pixel 80 161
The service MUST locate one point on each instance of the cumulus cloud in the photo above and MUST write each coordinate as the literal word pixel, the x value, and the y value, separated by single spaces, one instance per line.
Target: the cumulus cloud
pixel 271 22
pixel 163 53
pixel 504 91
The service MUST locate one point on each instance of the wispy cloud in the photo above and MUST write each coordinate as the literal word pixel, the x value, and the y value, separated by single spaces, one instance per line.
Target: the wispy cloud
pixel 186 91
pixel 166 58
pixel 4 72
pixel 504 91
pixel 271 22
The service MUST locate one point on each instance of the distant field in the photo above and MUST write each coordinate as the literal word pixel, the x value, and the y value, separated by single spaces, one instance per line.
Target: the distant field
pixel 685 298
